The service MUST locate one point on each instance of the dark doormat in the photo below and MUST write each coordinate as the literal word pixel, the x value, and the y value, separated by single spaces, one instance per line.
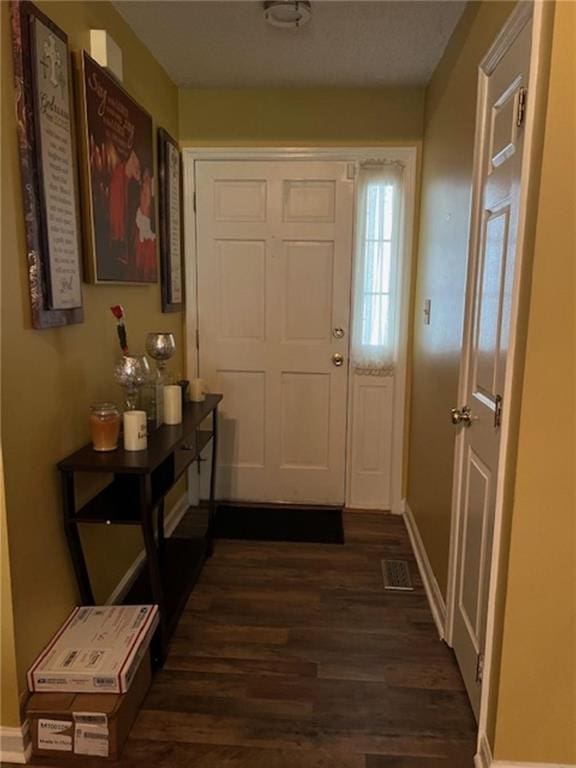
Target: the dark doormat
pixel 315 525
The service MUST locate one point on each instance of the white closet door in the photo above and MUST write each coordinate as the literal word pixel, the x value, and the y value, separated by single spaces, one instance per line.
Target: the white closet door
pixel 274 263
pixel 485 355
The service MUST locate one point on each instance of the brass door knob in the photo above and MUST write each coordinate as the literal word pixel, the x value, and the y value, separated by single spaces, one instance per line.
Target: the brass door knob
pixel 461 416
pixel 337 359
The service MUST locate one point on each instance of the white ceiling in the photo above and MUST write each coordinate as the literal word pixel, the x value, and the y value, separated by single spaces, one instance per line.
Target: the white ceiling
pixel 347 43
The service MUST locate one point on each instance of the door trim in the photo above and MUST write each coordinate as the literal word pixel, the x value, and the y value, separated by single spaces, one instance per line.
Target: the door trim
pixel 409 156
pixel 539 14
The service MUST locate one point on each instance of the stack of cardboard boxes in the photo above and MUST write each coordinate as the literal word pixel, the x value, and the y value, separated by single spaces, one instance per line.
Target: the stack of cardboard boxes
pixel 88 684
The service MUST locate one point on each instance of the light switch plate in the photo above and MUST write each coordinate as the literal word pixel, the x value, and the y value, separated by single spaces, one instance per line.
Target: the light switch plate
pixel 427 311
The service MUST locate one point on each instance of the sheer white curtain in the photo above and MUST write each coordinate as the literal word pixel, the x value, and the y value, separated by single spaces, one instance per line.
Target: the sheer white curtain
pixel 376 270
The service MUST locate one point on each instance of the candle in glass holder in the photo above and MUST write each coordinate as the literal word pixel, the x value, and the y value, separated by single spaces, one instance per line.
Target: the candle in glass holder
pixel 104 426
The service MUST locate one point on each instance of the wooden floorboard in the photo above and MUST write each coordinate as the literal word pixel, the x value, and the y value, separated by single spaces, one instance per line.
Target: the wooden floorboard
pixel 293 656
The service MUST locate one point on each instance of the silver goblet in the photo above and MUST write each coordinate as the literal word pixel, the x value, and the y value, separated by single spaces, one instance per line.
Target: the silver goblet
pixel 160 347
pixel 131 372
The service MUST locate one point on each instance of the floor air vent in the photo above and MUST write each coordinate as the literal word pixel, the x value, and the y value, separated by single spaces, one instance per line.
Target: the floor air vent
pixel 397 575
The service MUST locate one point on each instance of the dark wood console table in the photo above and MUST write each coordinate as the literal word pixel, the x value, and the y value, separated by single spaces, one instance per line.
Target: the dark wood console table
pixel 136 497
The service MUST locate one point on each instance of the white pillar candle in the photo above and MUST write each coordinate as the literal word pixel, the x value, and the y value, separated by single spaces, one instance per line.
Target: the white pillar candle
pixel 197 390
pixel 172 404
pixel 135 438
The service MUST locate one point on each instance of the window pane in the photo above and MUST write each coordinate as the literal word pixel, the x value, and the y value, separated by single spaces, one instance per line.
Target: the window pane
pixel 372 212
pixel 370 275
pixel 379 202
pixel 377 263
pixel 388 203
pixel 375 319
pixel 386 261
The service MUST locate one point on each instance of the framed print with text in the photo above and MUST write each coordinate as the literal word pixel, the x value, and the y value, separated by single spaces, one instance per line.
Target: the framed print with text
pixel 44 114
pixel 170 207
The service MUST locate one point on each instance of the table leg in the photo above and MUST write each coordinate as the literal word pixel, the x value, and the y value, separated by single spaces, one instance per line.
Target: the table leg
pixel 73 537
pixel 213 469
pixel 153 564
pixel 160 526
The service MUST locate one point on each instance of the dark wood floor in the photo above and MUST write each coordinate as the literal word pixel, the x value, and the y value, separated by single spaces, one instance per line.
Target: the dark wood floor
pixel 294 656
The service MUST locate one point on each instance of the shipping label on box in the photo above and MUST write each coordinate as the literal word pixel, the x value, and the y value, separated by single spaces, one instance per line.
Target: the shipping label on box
pixel 90 718
pixel 91 740
pixel 55 734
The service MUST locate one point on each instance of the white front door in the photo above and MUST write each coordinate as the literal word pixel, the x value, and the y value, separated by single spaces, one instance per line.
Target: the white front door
pixel 491 279
pixel 274 242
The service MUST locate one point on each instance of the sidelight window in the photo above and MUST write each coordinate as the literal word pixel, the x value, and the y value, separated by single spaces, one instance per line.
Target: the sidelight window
pixel 376 268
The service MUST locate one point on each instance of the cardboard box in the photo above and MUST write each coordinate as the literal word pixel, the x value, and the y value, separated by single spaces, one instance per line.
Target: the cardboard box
pixel 98 649
pixel 73 725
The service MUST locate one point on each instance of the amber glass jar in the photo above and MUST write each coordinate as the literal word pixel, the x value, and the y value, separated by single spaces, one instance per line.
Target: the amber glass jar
pixel 104 426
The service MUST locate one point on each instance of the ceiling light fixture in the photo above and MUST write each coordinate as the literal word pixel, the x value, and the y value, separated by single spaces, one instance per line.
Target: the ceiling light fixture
pixel 287 14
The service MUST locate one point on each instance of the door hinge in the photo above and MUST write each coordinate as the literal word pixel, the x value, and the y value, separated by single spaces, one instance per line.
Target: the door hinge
pixel 521 110
pixel 194 201
pixel 351 171
pixel 479 667
pixel 498 411
pixel 197 339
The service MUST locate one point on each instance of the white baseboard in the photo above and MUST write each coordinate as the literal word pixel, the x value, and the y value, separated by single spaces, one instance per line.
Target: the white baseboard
pixel 399 507
pixel 15 746
pixel 515 764
pixel 435 597
pixel 484 759
pixel 173 518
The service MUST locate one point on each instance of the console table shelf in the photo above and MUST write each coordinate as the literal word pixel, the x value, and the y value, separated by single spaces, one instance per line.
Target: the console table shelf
pixel 135 496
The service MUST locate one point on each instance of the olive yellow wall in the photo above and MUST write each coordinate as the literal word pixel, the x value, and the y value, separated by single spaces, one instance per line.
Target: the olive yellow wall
pixel 49 378
pixel 449 122
pixel 9 694
pixel 536 711
pixel 9 711
pixel 306 116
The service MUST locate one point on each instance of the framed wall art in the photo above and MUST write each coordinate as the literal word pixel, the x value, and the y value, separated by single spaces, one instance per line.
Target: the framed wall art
pixel 44 113
pixel 170 207
pixel 118 180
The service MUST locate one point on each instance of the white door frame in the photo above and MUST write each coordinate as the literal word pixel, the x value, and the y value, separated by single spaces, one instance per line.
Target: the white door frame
pixel 408 156
pixel 540 15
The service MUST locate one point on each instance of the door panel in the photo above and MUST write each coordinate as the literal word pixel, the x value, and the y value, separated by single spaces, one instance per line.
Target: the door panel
pixel 477 500
pixel 305 428
pixel 307 291
pixel 371 453
pixel 236 200
pixel 491 277
pixel 243 425
pixel 274 262
pixel 490 301
pixel 242 284
pixel 306 201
